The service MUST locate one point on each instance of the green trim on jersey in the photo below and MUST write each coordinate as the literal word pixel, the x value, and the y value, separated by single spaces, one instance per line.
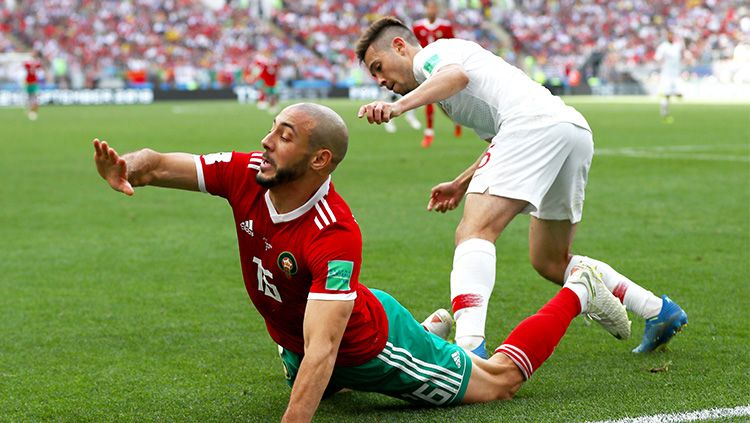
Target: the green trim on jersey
pixel 415 365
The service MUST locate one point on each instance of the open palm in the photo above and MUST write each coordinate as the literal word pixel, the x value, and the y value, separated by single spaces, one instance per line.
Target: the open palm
pixel 111 167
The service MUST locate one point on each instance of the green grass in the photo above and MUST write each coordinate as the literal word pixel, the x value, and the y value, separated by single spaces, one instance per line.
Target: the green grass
pixel 116 308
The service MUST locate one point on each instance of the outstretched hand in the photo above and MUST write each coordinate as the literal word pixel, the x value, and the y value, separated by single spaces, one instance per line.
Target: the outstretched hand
pixel 111 167
pixel 379 111
pixel 445 197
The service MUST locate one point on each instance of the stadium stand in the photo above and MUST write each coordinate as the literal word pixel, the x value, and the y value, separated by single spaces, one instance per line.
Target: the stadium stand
pixel 184 44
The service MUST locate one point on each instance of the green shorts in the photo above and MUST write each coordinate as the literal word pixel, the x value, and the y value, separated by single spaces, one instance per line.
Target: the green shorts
pixel 270 90
pixel 32 89
pixel 415 365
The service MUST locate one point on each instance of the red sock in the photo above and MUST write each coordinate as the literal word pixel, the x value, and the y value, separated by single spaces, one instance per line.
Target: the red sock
pixel 534 339
pixel 429 112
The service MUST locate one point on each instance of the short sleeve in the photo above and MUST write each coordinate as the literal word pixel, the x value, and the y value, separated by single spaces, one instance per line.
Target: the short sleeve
pixel 335 259
pixel 448 32
pixel 431 58
pixel 219 173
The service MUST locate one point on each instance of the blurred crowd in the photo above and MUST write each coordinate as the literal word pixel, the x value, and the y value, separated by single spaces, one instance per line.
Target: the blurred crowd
pixel 331 28
pixel 189 44
pixel 612 36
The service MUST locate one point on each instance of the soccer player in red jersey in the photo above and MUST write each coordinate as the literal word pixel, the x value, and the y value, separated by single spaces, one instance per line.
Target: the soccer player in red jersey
pixel 32 87
pixel 267 70
pixel 301 252
pixel 427 30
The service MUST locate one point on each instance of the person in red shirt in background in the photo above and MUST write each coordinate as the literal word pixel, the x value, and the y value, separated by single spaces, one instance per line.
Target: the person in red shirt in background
pixel 266 69
pixel 32 87
pixel 428 30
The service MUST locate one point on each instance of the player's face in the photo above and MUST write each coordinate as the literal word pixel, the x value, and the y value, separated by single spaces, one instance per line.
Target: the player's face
pixel 286 156
pixel 431 11
pixel 391 67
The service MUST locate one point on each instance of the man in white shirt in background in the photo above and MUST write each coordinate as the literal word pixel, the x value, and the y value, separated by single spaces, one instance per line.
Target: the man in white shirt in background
pixel 537 163
pixel 669 55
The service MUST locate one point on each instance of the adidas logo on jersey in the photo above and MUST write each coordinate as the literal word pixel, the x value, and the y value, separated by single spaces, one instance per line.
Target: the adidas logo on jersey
pixel 456 358
pixel 247 226
pixel 325 215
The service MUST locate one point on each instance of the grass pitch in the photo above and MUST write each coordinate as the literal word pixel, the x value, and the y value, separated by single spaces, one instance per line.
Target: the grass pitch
pixel 133 309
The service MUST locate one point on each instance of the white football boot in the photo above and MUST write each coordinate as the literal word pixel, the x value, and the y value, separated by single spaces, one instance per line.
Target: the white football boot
pixel 601 307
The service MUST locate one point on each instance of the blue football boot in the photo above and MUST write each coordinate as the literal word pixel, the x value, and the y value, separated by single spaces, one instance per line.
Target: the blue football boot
pixel 660 329
pixel 480 351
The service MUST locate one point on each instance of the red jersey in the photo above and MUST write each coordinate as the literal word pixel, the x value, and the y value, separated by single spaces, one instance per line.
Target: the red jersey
pixel 267 71
pixel 427 32
pixel 311 253
pixel 31 68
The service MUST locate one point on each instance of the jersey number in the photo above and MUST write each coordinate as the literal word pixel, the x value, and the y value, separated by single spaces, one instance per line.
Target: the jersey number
pixel 264 285
pixel 432 394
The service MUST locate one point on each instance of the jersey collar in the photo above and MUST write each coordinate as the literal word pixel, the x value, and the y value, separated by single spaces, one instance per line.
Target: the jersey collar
pixel 286 217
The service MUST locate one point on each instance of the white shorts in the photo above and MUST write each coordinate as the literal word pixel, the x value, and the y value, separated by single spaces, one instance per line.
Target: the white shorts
pixel 548 167
pixel 670 85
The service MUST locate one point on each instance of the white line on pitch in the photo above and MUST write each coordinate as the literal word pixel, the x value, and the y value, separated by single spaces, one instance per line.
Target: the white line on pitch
pixel 673 152
pixel 690 416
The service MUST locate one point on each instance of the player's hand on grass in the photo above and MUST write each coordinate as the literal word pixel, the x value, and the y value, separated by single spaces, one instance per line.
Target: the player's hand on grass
pixel 445 197
pixel 379 111
pixel 111 167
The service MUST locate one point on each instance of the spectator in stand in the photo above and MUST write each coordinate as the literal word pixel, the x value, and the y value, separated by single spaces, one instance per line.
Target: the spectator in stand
pixel 558 33
pixel 97 41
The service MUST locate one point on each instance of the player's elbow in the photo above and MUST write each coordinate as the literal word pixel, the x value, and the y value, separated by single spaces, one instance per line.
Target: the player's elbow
pixel 321 351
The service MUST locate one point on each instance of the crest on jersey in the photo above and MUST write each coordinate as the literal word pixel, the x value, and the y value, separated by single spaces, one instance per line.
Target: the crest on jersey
pixel 287 263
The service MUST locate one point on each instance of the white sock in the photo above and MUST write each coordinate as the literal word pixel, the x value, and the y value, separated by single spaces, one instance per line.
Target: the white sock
pixel 664 109
pixel 472 280
pixel 635 298
pixel 581 292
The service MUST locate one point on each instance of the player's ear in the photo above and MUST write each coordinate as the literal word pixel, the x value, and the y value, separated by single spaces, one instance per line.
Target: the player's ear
pixel 398 44
pixel 321 159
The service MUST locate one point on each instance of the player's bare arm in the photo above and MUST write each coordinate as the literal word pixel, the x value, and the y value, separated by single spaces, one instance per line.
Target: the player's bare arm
pixel 445 83
pixel 144 167
pixel 447 195
pixel 324 325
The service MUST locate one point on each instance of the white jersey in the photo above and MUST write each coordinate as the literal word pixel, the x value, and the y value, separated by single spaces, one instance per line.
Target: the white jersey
pixel 498 94
pixel 670 56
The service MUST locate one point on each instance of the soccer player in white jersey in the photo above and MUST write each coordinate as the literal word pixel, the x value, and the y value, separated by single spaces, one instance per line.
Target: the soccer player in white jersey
pixel 669 55
pixel 537 162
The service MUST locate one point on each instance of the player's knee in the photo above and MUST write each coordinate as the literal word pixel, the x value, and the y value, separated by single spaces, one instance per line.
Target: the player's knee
pixel 463 232
pixel 467 230
pixel 549 268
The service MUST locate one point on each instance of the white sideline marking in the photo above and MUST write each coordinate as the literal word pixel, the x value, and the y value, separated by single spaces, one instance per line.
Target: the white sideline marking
pixel 691 416
pixel 649 99
pixel 682 152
